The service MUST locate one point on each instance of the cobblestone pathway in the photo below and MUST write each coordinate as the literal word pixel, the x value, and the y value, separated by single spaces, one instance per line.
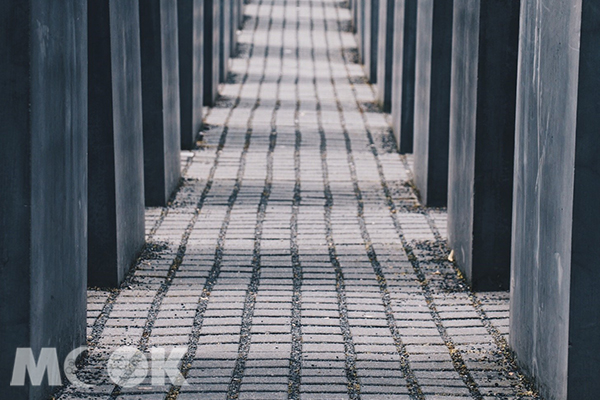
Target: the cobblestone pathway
pixel 295 261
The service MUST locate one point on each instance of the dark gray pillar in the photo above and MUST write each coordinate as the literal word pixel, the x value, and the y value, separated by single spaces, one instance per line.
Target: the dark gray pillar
pixel 354 15
pixel 555 305
pixel 360 28
pixel 190 14
pixel 432 100
pixel 225 39
pixel 160 98
pixel 241 15
pixel 403 76
pixel 43 176
pixel 233 27
pixel 385 54
pixel 482 118
pixel 371 32
pixel 115 146
pixel 212 49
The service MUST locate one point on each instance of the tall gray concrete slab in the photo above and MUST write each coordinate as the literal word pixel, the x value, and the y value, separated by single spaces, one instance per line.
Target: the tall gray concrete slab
pixel 160 99
pixel 482 115
pixel 403 75
pixel 360 28
pixel 43 176
pixel 432 100
pixel 371 39
pixel 234 26
pixel 354 15
pixel 225 39
pixel 241 15
pixel 385 54
pixel 555 307
pixel 115 146
pixel 190 15
pixel 212 49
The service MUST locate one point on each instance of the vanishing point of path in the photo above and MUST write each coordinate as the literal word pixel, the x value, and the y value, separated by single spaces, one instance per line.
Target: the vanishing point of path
pixel 295 261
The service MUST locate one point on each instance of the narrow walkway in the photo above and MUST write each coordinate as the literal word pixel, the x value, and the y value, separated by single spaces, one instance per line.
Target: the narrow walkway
pixel 295 262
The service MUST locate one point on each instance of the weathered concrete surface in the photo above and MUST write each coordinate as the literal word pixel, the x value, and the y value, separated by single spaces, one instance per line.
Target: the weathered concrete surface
pixel 555 317
pixel 115 146
pixel 160 99
pixel 212 49
pixel 371 38
pixel 432 100
pixel 482 115
pixel 225 39
pixel 190 16
pixel 43 176
pixel 403 76
pixel 385 54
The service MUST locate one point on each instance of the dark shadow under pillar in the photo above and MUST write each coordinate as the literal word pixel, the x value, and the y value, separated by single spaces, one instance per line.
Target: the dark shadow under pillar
pixel 482 124
pixel 160 99
pixel 432 100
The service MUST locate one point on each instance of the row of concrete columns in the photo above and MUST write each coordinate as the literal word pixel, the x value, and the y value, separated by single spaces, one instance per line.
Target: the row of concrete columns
pixel 498 101
pixel 97 99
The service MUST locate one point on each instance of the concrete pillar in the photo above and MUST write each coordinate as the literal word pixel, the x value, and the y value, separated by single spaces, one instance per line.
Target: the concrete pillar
pixel 160 97
pixel 212 49
pixel 403 76
pixel 371 36
pixel 385 54
pixel 190 15
pixel 482 118
pixel 354 15
pixel 225 39
pixel 432 100
pixel 241 15
pixel 233 27
pixel 555 303
pixel 43 176
pixel 115 145
pixel 360 28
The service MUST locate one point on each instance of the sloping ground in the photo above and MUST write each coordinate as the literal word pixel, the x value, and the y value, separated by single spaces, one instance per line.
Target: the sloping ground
pixel 295 261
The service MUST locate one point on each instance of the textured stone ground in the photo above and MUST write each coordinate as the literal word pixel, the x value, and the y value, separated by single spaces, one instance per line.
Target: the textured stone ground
pixel 295 261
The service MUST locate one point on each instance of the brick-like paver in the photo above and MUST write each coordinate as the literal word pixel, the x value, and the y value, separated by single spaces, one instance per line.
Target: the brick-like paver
pixel 295 261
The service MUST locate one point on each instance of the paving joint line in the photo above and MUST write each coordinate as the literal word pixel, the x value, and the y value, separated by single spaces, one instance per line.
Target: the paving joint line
pixel 353 384
pixel 295 369
pixel 253 287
